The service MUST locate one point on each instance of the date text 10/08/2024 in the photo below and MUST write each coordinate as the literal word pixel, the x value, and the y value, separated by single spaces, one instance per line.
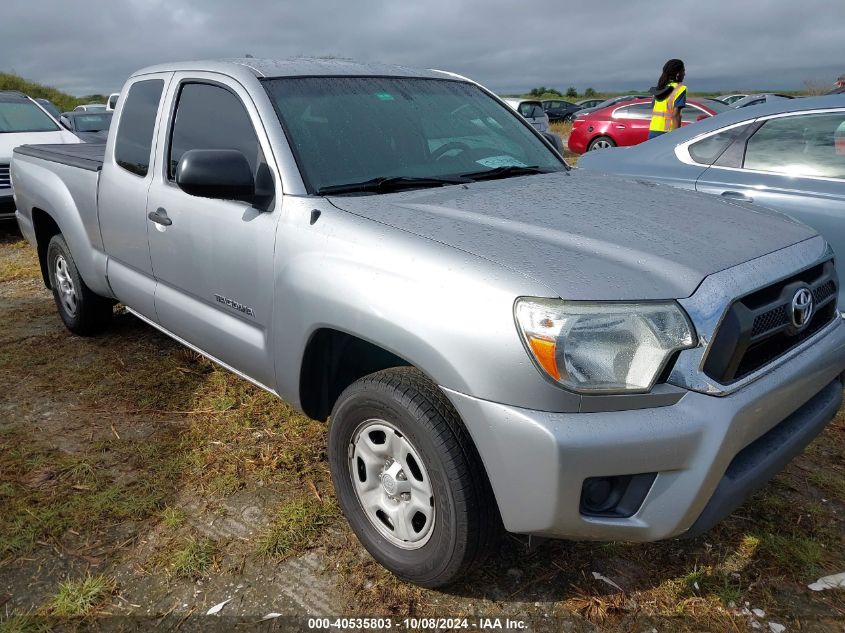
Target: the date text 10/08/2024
pixel 416 624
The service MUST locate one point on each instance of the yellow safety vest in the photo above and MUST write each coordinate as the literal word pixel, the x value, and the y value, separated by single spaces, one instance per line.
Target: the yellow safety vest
pixel 663 112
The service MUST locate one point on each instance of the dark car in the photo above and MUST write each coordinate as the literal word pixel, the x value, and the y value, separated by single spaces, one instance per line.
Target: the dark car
pixel 588 103
pixel 51 108
pixel 609 102
pixel 91 127
pixel 560 110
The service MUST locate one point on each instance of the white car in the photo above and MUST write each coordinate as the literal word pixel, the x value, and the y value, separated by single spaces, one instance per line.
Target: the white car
pixel 23 122
pixel 91 107
pixel 111 103
pixel 532 111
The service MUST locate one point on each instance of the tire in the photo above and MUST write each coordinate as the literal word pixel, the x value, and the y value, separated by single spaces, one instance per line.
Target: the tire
pixel 460 525
pixel 601 142
pixel 82 311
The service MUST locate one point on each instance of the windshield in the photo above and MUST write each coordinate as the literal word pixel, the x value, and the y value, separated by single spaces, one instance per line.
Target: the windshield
pixel 21 115
pixel 92 121
pixel 347 130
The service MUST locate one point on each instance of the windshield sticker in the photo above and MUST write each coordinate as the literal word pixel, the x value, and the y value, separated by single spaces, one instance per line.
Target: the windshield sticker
pixel 500 161
pixel 384 96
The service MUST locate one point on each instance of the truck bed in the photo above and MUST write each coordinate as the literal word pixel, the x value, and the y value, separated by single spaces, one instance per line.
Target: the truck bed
pixel 83 155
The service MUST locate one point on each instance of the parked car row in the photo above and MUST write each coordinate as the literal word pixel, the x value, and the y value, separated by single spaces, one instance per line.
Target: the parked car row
pixel 22 121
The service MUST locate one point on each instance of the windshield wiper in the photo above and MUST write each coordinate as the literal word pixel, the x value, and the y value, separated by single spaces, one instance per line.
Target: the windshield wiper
pixel 506 172
pixel 386 184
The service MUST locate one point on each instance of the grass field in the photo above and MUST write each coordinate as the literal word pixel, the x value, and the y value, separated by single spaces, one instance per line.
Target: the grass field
pixel 136 478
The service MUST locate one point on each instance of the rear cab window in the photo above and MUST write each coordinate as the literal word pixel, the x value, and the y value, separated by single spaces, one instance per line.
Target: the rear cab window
pixel 134 140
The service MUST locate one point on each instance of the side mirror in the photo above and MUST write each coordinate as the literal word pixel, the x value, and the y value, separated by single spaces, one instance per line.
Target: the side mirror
pixel 223 174
pixel 555 140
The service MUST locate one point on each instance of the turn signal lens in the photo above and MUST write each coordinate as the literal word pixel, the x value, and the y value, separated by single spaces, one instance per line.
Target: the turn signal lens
pixel 544 352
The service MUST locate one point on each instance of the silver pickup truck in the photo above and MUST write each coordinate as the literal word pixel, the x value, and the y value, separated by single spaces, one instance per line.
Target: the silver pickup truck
pixel 498 341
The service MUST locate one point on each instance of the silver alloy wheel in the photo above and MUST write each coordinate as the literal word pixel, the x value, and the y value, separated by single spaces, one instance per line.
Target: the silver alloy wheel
pixel 600 144
pixel 67 291
pixel 392 484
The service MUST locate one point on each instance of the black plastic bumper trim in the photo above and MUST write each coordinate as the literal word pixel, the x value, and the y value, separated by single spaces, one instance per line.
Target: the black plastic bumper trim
pixel 761 460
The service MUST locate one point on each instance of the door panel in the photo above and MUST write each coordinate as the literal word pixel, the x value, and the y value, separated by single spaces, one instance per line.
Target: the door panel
pixel 122 193
pixel 214 261
pixel 629 124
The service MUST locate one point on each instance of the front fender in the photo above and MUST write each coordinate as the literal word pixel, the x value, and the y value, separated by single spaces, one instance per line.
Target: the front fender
pixel 448 313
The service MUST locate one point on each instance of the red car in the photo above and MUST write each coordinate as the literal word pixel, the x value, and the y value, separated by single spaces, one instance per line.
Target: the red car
pixel 627 123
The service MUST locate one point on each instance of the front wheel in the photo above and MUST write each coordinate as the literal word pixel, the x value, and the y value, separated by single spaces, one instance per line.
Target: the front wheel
pixel 601 142
pixel 83 312
pixel 409 478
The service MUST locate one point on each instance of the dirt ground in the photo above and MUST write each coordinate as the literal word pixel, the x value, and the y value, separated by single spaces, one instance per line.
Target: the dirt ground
pixel 140 485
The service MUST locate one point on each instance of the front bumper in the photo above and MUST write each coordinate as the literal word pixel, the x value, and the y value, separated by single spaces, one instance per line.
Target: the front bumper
pixel 537 461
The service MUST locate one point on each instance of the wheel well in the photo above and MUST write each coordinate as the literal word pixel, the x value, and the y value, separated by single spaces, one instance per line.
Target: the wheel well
pixel 333 360
pixel 45 228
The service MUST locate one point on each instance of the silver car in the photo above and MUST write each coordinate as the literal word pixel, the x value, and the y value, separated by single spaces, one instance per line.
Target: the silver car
pixel 787 155
pixel 532 111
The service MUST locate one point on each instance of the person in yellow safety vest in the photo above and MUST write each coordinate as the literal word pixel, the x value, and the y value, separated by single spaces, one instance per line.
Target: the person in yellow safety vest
pixel 670 96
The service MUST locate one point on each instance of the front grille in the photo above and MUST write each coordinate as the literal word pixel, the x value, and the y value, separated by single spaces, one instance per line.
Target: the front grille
pixel 758 328
pixel 5 177
pixel 7 205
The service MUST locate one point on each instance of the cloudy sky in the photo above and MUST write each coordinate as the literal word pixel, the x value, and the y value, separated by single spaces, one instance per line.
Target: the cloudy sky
pixel 92 46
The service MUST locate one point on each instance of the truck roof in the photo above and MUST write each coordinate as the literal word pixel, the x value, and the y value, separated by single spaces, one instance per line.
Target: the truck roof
pixel 13 96
pixel 295 67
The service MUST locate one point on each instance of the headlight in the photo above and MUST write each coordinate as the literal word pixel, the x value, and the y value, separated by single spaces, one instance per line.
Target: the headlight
pixel 603 347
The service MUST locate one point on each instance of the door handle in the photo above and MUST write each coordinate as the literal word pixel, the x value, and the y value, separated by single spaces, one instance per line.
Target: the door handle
pixel 159 216
pixel 736 195
pixel 620 127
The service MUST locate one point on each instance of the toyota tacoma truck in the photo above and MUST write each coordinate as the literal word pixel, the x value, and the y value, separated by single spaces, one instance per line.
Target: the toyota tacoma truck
pixel 499 342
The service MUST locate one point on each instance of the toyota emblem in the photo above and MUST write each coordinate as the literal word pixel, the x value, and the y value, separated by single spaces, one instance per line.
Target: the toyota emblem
pixel 802 308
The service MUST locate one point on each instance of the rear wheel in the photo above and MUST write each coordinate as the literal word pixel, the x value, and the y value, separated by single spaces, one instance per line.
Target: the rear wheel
pixel 601 142
pixel 83 312
pixel 409 478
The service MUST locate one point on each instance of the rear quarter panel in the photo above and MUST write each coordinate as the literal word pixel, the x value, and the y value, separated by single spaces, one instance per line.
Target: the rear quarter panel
pixel 69 196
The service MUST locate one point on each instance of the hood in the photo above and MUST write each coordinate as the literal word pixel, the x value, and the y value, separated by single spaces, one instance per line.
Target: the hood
pixel 586 235
pixel 11 140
